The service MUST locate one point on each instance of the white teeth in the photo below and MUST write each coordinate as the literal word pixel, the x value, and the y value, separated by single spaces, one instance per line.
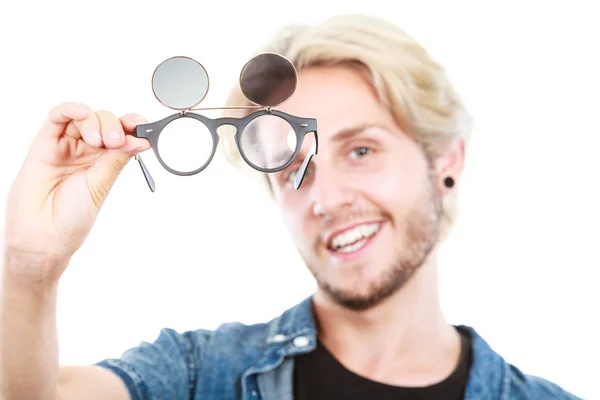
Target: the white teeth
pixel 354 238
pixel 352 247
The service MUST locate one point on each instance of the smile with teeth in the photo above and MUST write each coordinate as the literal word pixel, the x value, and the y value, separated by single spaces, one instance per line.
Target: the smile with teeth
pixel 353 239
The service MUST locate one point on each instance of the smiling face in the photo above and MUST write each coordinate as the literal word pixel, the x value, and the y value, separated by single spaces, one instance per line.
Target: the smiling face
pixel 367 214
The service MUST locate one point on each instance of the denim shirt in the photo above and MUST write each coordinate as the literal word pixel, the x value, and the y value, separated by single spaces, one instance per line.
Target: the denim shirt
pixel 256 362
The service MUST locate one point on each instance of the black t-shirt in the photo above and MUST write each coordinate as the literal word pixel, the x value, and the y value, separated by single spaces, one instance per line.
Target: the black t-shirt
pixel 319 376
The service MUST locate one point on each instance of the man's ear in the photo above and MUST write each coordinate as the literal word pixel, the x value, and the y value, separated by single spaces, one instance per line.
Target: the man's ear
pixel 449 166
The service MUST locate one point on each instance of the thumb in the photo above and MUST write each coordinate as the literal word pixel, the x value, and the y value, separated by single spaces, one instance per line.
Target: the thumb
pixel 102 175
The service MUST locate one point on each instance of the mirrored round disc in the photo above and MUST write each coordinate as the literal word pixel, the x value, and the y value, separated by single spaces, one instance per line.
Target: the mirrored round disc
pixel 180 83
pixel 268 79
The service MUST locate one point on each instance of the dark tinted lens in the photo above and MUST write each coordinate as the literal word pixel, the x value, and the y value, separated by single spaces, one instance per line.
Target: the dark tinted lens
pixel 268 80
pixel 269 142
pixel 180 83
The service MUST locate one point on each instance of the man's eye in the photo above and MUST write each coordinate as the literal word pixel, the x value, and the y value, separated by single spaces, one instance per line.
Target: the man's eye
pixel 291 175
pixel 359 152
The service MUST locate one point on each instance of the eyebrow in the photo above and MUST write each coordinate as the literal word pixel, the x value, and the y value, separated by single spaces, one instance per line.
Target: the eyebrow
pixel 349 133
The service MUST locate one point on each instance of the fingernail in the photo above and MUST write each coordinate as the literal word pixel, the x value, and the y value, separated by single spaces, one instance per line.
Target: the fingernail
pixel 112 135
pixel 95 135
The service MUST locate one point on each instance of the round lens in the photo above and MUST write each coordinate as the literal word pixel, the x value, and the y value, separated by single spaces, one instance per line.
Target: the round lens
pixel 180 83
pixel 269 142
pixel 185 144
pixel 268 79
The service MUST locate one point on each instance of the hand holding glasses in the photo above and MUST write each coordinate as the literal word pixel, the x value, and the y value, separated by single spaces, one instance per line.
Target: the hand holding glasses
pixel 268 140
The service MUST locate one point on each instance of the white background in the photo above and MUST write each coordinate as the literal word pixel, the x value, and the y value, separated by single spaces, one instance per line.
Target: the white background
pixel 521 267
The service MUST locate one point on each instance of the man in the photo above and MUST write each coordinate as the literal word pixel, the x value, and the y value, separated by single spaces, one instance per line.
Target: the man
pixel 376 203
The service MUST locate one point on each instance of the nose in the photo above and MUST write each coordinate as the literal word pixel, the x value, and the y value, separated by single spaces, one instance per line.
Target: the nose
pixel 329 192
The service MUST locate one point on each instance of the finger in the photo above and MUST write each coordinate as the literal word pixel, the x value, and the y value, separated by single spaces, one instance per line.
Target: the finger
pixel 88 129
pixel 106 169
pixel 134 144
pixel 131 120
pixel 111 130
pixel 60 116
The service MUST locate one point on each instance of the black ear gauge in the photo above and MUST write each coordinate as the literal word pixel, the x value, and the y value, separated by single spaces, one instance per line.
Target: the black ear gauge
pixel 449 182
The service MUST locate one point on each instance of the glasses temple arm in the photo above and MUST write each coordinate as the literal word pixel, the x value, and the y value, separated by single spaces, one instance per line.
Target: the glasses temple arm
pixel 146 173
pixel 302 171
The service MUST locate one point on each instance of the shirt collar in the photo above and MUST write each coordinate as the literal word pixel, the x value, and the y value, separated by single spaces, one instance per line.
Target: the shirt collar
pixel 294 332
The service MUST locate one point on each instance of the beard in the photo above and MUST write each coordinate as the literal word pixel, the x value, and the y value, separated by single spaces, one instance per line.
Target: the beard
pixel 421 233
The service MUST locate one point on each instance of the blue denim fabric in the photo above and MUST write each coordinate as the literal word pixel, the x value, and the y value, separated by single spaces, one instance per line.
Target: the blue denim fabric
pixel 238 361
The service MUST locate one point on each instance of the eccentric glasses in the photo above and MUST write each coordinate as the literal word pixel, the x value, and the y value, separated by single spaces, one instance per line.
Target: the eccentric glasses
pixel 268 140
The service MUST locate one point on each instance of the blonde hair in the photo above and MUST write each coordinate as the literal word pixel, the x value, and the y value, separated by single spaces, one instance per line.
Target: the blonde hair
pixel 413 86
